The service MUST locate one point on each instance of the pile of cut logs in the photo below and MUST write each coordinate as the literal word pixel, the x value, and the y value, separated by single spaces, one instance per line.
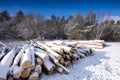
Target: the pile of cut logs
pixel 30 60
pixel 96 44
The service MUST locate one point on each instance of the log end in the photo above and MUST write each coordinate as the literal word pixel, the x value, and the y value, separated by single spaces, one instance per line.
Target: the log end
pixel 26 64
pixel 16 76
pixel 34 76
pixel 2 79
pixel 32 67
pixel 25 73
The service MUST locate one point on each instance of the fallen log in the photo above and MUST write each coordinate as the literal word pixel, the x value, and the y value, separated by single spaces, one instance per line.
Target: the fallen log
pixel 67 63
pixel 15 70
pixel 93 46
pixel 5 64
pixel 39 61
pixel 25 73
pixel 44 55
pixel 26 59
pixel 32 54
pixel 59 69
pixel 64 68
pixel 47 64
pixel 58 49
pixel 75 56
pixel 47 49
pixel 34 76
pixel 81 55
pixel 38 69
pixel 41 54
pixel 61 60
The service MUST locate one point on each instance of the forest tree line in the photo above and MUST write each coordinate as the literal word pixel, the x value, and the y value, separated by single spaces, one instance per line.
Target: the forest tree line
pixel 30 26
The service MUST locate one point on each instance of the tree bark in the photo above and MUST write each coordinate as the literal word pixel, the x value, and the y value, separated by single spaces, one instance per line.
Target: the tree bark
pixel 47 64
pixel 5 64
pixel 32 53
pixel 38 69
pixel 26 59
pixel 39 61
pixel 50 51
pixel 25 73
pixel 34 76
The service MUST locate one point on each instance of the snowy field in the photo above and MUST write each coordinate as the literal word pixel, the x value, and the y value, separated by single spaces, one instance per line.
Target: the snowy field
pixel 103 65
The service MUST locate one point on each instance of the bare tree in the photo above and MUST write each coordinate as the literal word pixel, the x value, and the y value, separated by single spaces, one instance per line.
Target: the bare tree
pixel 101 24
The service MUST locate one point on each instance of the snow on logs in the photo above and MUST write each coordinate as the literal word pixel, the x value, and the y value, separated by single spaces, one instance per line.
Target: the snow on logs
pixel 5 64
pixel 31 60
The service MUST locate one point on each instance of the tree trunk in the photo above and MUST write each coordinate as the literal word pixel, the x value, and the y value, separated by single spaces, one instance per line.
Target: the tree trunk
pixel 39 61
pixel 26 59
pixel 38 69
pixel 32 53
pixel 47 64
pixel 5 64
pixel 26 73
pixel 34 76
pixel 50 51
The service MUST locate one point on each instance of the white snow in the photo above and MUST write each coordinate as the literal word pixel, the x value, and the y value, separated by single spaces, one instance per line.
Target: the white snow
pixel 103 65
pixel 115 18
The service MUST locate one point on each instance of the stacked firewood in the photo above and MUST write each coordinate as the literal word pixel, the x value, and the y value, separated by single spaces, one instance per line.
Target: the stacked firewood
pixel 96 44
pixel 30 60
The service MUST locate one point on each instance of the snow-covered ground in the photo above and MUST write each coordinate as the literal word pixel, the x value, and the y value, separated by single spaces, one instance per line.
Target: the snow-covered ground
pixel 103 65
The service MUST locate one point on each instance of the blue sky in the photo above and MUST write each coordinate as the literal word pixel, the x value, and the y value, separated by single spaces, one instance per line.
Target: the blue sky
pixel 61 7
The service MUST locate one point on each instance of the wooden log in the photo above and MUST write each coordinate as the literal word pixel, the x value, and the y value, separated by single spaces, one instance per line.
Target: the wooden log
pixel 50 51
pixel 81 55
pixel 5 64
pixel 26 59
pixel 32 54
pixel 44 55
pixel 100 42
pixel 64 68
pixel 91 42
pixel 62 60
pixel 59 43
pixel 25 73
pixel 82 51
pixel 75 56
pixel 66 63
pixel 66 56
pixel 16 72
pixel 66 49
pixel 39 61
pixel 48 66
pixel 2 52
pixel 59 69
pixel 38 69
pixel 34 76
pixel 53 59
pixel 91 51
pixel 92 46
pixel 41 54
pixel 58 49
pixel 13 70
